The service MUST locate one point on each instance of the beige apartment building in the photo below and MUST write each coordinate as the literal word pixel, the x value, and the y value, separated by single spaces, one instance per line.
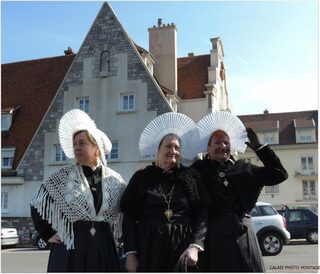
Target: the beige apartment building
pixel 294 138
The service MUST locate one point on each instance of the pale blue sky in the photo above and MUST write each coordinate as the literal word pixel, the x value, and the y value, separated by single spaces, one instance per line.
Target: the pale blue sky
pixel 271 47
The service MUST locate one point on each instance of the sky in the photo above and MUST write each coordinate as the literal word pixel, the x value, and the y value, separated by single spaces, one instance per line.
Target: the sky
pixel 271 48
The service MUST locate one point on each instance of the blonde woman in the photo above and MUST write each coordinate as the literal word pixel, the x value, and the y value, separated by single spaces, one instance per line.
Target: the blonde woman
pixel 77 206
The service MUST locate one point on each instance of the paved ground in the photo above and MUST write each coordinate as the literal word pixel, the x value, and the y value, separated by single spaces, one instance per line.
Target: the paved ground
pixel 297 257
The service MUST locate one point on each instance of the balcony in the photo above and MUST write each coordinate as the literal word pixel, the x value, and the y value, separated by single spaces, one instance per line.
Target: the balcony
pixel 306 174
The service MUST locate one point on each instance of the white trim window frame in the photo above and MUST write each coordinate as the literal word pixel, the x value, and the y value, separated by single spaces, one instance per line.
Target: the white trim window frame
pixel 127 102
pixel 306 162
pixel 4 201
pixel 7 156
pixel 59 154
pixel 271 189
pixel 305 139
pixel 309 190
pixel 83 103
pixel 269 137
pixel 114 153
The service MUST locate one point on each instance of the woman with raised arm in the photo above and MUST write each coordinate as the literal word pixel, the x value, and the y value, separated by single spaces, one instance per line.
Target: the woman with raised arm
pixel 234 187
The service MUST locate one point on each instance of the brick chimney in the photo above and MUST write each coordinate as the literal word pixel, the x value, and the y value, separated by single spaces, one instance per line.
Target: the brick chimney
pixel 163 45
pixel 68 51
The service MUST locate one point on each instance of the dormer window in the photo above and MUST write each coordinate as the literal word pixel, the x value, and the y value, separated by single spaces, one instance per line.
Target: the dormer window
pixel 6 119
pixel 269 138
pixel 305 130
pixel 7 156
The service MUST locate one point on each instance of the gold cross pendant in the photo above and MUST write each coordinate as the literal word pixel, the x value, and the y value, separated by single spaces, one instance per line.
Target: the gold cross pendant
pixel 168 213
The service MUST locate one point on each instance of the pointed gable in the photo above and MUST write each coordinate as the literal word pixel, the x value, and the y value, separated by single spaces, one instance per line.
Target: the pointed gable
pixel 87 76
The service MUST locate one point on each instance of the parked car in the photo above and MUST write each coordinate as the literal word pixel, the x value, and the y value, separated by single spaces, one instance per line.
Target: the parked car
pixel 38 241
pixel 9 234
pixel 302 223
pixel 270 228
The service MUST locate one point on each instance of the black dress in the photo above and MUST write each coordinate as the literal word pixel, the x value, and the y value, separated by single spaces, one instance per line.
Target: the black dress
pixel 231 244
pixel 160 241
pixel 96 253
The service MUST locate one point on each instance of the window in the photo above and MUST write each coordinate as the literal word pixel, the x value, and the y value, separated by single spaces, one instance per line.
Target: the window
pixel 7 156
pixel 305 138
pixel 83 104
pixel 105 61
pixel 307 163
pixel 114 154
pixel 127 102
pixel 60 156
pixel 298 216
pixel 309 190
pixel 5 121
pixel 267 210
pixel 295 216
pixel 254 212
pixel 272 189
pixel 7 162
pixel 4 201
pixel 269 139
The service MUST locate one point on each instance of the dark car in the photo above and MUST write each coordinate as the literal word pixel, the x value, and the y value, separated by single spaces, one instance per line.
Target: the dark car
pixel 302 223
pixel 38 241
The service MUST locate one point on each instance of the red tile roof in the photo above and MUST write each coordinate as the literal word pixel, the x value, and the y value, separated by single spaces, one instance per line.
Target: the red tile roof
pixel 299 123
pixel 33 85
pixel 193 76
pixel 263 125
pixel 286 123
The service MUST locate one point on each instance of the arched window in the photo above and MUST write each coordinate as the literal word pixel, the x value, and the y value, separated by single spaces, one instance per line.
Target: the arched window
pixel 105 63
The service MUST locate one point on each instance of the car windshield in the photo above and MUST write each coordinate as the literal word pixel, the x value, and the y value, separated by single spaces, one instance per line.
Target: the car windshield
pixel 5 224
pixel 267 210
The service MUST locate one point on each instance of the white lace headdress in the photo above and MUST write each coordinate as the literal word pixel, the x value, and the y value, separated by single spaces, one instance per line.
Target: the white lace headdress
pixel 227 122
pixel 167 123
pixel 75 120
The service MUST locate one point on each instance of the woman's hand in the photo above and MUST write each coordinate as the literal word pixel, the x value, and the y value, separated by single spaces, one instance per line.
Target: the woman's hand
pixel 192 255
pixel 55 239
pixel 253 139
pixel 132 262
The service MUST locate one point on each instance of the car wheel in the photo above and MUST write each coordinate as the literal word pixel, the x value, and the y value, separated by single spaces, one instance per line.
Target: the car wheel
pixel 312 237
pixel 270 244
pixel 42 244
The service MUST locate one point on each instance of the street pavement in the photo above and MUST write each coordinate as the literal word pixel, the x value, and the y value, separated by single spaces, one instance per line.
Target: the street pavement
pixel 297 257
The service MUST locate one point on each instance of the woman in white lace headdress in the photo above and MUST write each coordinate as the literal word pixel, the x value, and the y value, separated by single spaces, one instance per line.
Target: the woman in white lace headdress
pixel 164 205
pixel 77 206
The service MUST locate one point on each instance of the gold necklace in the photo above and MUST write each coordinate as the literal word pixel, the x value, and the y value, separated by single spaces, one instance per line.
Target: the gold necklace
pixel 92 229
pixel 167 197
pixel 99 200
